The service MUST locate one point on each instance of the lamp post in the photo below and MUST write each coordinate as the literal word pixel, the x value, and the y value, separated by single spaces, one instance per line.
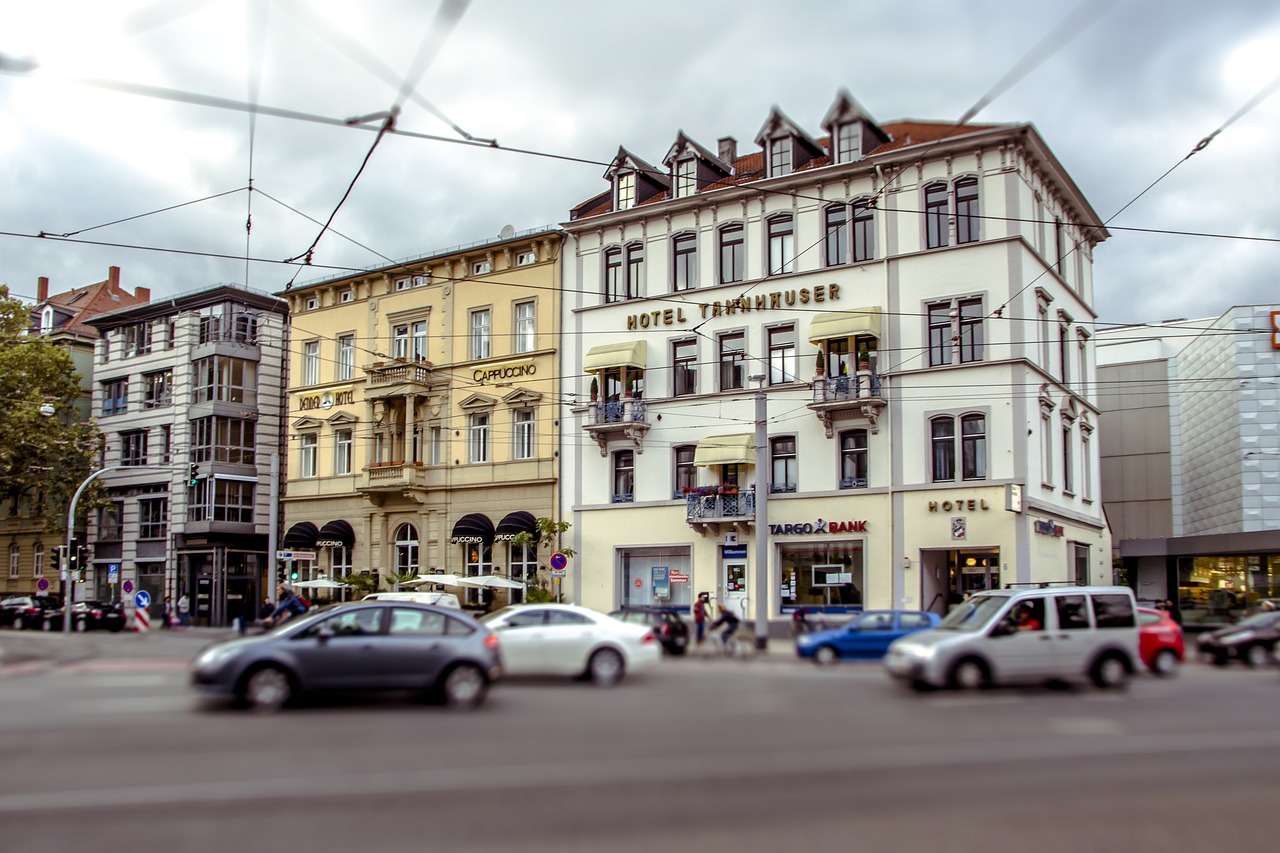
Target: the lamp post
pixel 762 517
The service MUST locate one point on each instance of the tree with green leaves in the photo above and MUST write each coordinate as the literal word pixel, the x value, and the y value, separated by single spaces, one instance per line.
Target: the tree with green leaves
pixel 547 534
pixel 46 451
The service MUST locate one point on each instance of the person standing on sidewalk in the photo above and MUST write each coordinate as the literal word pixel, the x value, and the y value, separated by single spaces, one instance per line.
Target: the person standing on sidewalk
pixel 700 615
pixel 184 611
pixel 166 616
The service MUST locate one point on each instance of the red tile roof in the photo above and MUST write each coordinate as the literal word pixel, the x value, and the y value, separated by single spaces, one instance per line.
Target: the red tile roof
pixel 87 302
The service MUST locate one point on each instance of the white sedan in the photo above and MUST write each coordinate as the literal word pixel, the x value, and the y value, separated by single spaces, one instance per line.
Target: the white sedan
pixel 563 639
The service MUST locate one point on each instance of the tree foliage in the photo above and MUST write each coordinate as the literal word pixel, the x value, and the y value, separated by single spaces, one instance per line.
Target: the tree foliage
pixel 43 459
pixel 547 534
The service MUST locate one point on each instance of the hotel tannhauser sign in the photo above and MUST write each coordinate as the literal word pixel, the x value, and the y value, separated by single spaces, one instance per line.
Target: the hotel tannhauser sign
pixel 971 504
pixel 774 301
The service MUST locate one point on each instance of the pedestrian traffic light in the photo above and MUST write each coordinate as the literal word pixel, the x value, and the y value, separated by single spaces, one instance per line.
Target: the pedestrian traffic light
pixel 293 576
pixel 195 472
pixel 280 575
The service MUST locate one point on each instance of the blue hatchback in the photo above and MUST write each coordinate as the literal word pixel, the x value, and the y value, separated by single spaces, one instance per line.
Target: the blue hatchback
pixel 867 637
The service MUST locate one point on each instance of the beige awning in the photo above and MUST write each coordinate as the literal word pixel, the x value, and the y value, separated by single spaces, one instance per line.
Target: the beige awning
pixel 726 450
pixel 845 324
pixel 605 356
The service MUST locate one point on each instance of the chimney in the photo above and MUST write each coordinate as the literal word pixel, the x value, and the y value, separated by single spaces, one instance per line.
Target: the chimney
pixel 113 278
pixel 142 294
pixel 42 288
pixel 728 149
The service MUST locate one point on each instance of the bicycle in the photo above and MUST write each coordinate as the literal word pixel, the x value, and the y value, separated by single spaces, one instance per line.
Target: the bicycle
pixel 737 646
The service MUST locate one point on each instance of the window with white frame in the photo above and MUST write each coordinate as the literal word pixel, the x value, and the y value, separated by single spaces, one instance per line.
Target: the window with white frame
pixel 347 296
pixel 481 325
pixel 482 267
pixel 346 356
pixel 342 451
pixel 972 450
pixel 733 354
pixel 400 341
pixel 936 214
pixel 684 367
pixel 848 142
pixel 418 340
pixel 836 234
pixel 15 556
pixel 524 259
pixel 478 429
pixel 37 560
pixel 686 177
pixel 684 262
pixel 853 459
pixel 782 354
pixel 308 445
pixel 339 562
pixel 313 302
pixel 1068 462
pixel 624 476
pixel 157 389
pixel 955 326
pixel 404 283
pixel 780 156
pixel 733 254
pixel 626 191
pixel 1086 462
pixel 526 339
pixel 785 467
pixel 133 447
pixel 782 245
pixel 1046 449
pixel 311 363
pixel 522 422
pixel 407 549
pixel 437 446
pixel 967 218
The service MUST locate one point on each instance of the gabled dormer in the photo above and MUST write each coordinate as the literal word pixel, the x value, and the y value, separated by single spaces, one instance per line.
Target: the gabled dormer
pixel 634 181
pixel 854 133
pixel 690 167
pixel 786 147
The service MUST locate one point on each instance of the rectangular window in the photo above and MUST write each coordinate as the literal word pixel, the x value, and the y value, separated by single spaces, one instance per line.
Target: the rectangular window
pixel 523 423
pixel 111 522
pixel 526 340
pixel 1086 466
pixel 782 355
pixel 342 451
pixel 779 157
pixel 626 191
pixel 848 142
pixel 482 267
pixel 836 235
pixel 935 215
pixel 137 339
pixel 115 397
pixel 166 443
pixel 624 476
pixel 153 518
pixel 224 379
pixel 15 567
pixel 684 256
pixel 686 475
pixel 1046 450
pixel 133 447
pixel 307 454
pixel 940 334
pixel 157 389
pixel 223 439
pixel 346 356
pixel 404 283
pixel 437 446
pixel 311 363
pixel 967 210
pixel 525 259
pixel 232 500
pixel 943 438
pixel 635 270
pixel 782 453
pixel 853 459
pixel 1068 464
pixel 480 329
pixel 1060 249
pixel 400 341
pixel 684 368
pixel 614 290
pixel 1046 344
pixel 1083 363
pixel 479 430
pixel 732 361
pixel 686 180
pixel 347 296
pixel 418 341
pixel 973 447
pixel 864 244
pixel 37 565
pixel 782 246
pixel 970 332
pixel 732 254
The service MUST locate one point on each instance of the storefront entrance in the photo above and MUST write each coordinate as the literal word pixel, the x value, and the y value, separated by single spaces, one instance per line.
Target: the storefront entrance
pixel 946 577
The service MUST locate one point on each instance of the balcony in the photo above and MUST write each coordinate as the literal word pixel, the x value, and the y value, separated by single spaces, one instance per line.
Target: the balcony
pixel 396 379
pixel 394 479
pixel 841 401
pixel 714 514
pixel 614 419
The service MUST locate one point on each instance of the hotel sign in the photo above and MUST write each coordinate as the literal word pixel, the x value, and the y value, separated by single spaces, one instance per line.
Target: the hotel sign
pixel 326 399
pixel 971 504
pixel 775 301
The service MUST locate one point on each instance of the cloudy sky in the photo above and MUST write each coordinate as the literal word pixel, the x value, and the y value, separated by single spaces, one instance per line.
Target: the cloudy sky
pixel 1120 102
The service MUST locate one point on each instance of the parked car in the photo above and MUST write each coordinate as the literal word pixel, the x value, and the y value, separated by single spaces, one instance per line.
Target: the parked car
pixel 440 599
pixel 360 646
pixel 1159 641
pixel 88 616
pixel 564 639
pixel 666 624
pixel 1251 640
pixel 1025 635
pixel 30 616
pixel 11 607
pixel 866 637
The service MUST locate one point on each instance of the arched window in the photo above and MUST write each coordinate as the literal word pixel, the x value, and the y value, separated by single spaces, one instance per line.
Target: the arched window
pixel 406 549
pixel 864 233
pixel 935 215
pixel 836 235
pixel 973 444
pixel 733 254
pixel 967 210
pixel 943 437
pixel 684 262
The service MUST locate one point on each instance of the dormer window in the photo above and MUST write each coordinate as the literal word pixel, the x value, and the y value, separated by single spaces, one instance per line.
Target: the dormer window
pixel 686 178
pixel 626 191
pixel 848 143
pixel 46 320
pixel 779 157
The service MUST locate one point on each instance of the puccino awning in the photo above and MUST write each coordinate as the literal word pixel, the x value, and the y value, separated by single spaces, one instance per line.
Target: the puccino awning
pixel 845 324
pixel 726 450
pixel 301 537
pixel 336 533
pixel 605 356
pixel 473 527
pixel 517 522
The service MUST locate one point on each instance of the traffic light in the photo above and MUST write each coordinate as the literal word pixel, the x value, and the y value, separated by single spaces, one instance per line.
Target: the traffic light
pixel 195 472
pixel 73 556
pixel 293 576
pixel 280 575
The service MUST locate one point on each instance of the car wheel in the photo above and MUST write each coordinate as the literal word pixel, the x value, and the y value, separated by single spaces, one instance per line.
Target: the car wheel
pixel 969 674
pixel 267 689
pixel 82 626
pixel 116 629
pixel 1257 657
pixel 1110 672
pixel 464 688
pixel 46 625
pixel 826 656
pixel 1165 663
pixel 605 668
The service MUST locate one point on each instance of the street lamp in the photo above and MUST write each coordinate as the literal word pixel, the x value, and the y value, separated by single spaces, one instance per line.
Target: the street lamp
pixel 762 517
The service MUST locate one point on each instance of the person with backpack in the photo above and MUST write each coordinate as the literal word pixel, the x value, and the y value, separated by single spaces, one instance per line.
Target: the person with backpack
pixel 289 606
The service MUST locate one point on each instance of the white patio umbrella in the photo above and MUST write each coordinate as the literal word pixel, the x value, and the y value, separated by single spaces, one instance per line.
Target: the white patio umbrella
pixel 322 583
pixel 443 580
pixel 491 581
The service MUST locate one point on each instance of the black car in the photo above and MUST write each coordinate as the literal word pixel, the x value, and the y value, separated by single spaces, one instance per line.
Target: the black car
pixel 666 623
pixel 89 616
pixel 1251 640
pixel 30 614
pixel 10 608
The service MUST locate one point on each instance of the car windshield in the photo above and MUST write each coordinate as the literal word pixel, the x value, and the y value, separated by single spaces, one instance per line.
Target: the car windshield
pixel 974 614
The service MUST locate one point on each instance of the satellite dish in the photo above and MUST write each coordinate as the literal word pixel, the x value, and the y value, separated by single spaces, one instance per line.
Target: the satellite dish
pixel 507 232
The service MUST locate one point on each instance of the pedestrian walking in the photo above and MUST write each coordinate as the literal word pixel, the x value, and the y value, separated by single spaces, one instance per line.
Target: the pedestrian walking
pixel 700 615
pixel 166 616
pixel 248 612
pixel 184 611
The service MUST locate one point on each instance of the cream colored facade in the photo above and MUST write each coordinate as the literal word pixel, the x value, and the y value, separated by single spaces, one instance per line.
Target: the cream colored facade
pixel 423 412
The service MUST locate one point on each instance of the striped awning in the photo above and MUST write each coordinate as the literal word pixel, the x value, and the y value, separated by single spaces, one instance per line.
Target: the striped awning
pixel 845 324
pixel 726 450
pixel 605 356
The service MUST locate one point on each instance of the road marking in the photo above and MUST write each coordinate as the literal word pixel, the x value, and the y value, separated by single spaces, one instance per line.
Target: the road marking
pixel 1085 726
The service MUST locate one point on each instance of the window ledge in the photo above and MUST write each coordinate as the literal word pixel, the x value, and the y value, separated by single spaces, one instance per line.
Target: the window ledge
pixel 1049 487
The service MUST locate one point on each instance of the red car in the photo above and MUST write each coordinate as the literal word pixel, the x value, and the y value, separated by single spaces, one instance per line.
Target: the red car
pixel 1159 641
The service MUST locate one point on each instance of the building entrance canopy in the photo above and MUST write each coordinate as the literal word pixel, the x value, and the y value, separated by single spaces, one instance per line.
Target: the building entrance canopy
pixel 473 527
pixel 336 534
pixel 517 522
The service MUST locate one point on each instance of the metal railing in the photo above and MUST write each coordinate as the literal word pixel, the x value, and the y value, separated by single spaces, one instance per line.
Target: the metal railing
pixel 740 505
pixel 626 410
pixel 864 385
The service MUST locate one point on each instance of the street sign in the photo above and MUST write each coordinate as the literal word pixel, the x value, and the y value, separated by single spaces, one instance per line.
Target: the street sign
pixel 295 555
pixel 142 600
pixel 557 573
pixel 42 584
pixel 113 573
pixel 127 587
pixel 559 561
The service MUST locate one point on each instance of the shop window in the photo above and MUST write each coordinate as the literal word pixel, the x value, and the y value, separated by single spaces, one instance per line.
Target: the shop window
pixel 822 575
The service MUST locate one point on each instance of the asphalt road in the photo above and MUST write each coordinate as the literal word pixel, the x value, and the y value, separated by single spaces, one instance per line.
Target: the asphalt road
pixel 109 749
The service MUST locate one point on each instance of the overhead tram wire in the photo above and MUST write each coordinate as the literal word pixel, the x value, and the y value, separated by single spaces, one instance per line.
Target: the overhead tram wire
pixel 257 55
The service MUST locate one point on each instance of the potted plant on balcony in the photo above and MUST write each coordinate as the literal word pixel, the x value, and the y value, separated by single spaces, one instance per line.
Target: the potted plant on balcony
pixel 727 489
pixel 864 358
pixel 820 364
pixel 595 389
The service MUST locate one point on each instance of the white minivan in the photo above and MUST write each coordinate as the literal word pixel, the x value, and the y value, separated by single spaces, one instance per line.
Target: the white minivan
pixel 1048 633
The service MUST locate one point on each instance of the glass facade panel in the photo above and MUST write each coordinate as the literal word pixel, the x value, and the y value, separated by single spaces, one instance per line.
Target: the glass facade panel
pixel 822 574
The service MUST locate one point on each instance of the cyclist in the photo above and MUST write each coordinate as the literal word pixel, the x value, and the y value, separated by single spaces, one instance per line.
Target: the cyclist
pixel 290 605
pixel 726 617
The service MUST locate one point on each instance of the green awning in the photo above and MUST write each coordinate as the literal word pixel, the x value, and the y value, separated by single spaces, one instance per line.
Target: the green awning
pixel 605 356
pixel 845 324
pixel 726 450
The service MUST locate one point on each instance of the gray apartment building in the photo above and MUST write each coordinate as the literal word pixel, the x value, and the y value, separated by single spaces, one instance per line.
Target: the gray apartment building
pixel 189 395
